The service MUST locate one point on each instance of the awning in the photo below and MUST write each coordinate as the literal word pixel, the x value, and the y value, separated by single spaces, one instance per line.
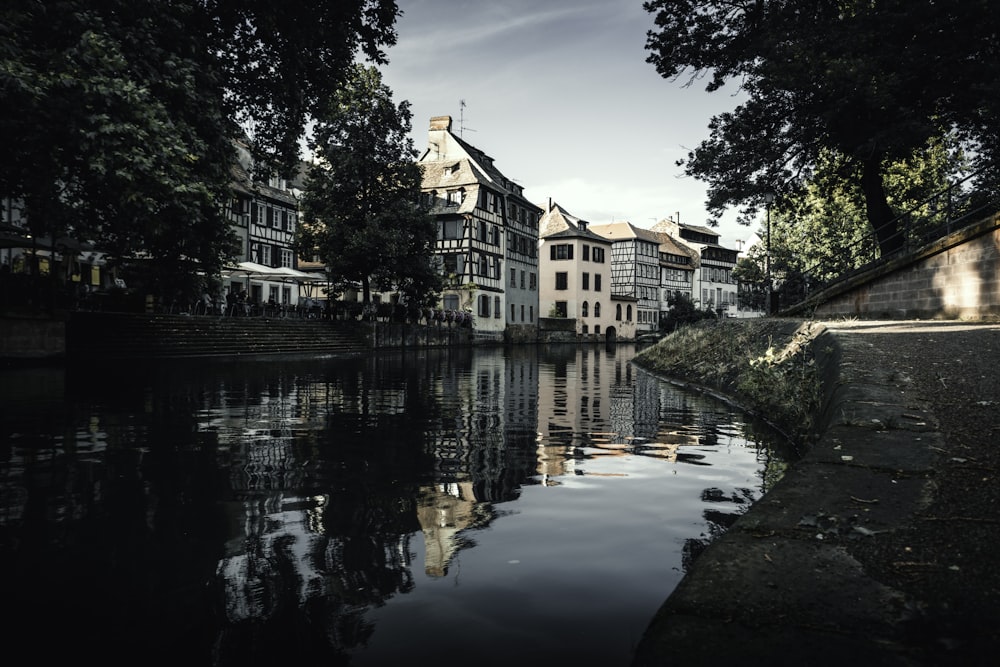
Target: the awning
pixel 256 271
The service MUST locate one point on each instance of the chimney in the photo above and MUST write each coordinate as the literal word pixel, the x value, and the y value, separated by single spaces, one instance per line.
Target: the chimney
pixel 441 123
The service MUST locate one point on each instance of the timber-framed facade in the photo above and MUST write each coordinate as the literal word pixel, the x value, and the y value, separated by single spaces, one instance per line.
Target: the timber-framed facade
pixel 487 245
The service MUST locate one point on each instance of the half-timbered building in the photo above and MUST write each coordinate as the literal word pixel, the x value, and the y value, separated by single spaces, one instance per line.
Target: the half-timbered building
pixel 715 287
pixel 635 272
pixel 487 245
pixel 264 216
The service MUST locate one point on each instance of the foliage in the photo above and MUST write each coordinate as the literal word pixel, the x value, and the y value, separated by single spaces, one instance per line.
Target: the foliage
pixel 682 311
pixel 118 116
pixel 870 81
pixel 361 205
pixel 819 233
pixel 751 275
pixel 766 363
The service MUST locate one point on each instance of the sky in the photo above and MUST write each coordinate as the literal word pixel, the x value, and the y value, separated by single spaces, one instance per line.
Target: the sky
pixel 559 94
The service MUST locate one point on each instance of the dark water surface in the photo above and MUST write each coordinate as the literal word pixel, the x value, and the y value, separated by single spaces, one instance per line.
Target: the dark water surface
pixel 485 507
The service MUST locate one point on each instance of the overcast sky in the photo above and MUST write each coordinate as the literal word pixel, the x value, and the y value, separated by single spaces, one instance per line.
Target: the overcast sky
pixel 559 93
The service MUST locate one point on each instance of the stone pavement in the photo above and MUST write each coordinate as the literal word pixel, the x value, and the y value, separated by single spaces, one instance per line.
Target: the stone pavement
pixel 881 546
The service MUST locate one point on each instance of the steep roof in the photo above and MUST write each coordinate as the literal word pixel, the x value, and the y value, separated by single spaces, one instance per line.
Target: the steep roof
pixel 557 222
pixel 618 231
pixel 474 166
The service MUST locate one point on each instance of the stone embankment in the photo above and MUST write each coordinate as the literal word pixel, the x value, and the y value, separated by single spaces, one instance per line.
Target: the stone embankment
pixel 879 546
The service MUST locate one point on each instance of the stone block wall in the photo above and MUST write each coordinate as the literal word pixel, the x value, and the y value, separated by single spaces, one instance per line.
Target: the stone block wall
pixel 957 277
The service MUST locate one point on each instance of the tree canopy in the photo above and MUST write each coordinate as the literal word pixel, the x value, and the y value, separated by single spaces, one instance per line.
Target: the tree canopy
pixel 362 211
pixel 873 81
pixel 118 116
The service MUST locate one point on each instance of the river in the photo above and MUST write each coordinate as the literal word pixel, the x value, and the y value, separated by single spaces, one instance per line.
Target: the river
pixel 489 506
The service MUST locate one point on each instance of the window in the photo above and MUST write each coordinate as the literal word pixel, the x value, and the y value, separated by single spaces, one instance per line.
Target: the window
pixel 287 258
pixel 513 313
pixel 484 305
pixel 618 312
pixel 522 312
pixel 597 310
pixel 597 329
pixel 585 309
pixel 522 279
pixel 513 277
pixel 455 197
pixel 451 229
pixel 561 251
pixel 628 314
pixel 533 281
pixel 497 312
pixel 598 255
pixel 560 309
pixel 586 252
pixel 597 282
pixel 585 284
pixel 265 254
pixel 450 302
pixel 561 280
pixel 531 313
pixel 454 264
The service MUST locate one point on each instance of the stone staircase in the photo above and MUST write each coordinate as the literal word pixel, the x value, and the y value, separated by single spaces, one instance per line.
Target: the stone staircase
pixel 103 336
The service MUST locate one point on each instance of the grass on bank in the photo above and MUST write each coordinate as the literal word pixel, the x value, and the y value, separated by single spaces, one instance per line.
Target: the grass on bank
pixel 766 365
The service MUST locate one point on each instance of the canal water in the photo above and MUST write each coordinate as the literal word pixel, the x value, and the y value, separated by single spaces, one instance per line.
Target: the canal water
pixel 490 507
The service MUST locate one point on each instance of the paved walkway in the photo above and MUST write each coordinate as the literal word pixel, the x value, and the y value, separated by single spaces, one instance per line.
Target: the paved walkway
pixel 882 545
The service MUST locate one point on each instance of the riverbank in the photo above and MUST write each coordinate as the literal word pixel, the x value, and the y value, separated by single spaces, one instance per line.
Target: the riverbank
pixel 878 546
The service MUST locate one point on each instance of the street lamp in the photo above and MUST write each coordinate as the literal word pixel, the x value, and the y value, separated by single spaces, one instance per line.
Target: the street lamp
pixel 768 198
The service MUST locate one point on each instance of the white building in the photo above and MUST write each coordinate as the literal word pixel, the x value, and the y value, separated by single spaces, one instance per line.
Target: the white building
pixel 575 275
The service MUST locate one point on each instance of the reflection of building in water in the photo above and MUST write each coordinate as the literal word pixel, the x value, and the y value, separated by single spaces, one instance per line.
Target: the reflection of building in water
pixel 588 401
pixel 482 451
pixel 337 552
pixel 594 402
pixel 444 511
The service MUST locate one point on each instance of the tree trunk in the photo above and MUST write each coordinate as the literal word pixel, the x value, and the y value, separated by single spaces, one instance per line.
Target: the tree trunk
pixel 880 215
pixel 366 291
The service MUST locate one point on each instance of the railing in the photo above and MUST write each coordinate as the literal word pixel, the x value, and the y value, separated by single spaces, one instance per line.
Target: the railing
pixel 947 211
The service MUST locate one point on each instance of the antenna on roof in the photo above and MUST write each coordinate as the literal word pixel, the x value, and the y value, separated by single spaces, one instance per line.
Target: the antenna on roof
pixel 461 118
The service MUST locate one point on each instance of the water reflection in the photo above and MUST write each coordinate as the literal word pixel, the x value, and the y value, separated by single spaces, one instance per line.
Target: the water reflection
pixel 526 501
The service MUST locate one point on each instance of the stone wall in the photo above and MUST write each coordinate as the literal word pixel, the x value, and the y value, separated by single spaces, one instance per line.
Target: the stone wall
pixel 30 338
pixel 392 335
pixel 957 277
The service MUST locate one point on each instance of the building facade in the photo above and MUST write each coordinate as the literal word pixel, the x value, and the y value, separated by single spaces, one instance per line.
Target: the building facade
pixel 487 245
pixel 635 274
pixel 264 216
pixel 714 286
pixel 575 270
pixel 678 266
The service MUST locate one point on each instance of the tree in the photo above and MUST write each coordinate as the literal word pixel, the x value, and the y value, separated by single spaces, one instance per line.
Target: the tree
pixel 362 211
pixel 870 81
pixel 819 234
pixel 118 116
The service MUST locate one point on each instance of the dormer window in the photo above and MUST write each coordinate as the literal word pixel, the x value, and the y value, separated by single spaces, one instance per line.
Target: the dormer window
pixel 451 170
